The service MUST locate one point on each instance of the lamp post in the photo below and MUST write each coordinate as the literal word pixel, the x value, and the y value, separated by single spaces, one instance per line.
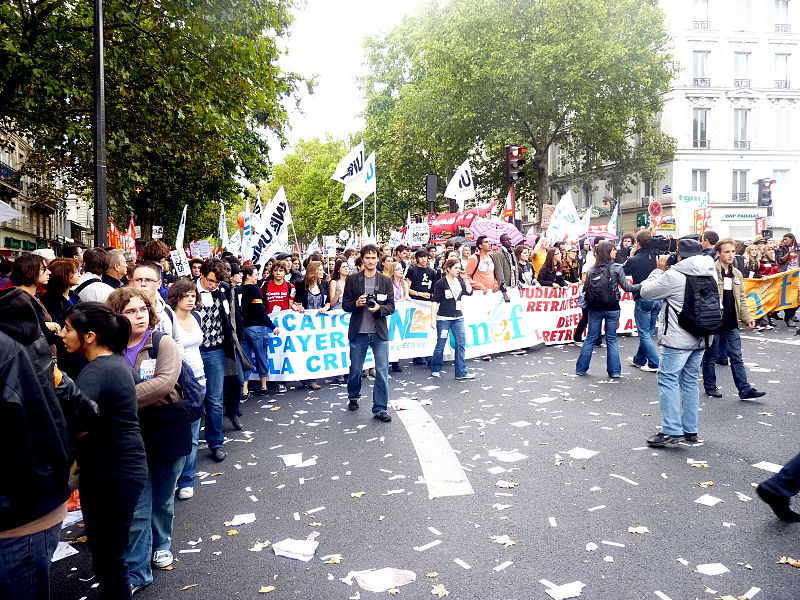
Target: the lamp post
pixel 100 166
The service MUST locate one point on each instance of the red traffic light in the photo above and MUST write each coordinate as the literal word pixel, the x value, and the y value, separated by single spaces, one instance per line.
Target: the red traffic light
pixel 516 151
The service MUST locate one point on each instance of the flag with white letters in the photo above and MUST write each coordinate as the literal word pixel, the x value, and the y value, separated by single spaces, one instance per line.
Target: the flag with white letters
pixel 461 187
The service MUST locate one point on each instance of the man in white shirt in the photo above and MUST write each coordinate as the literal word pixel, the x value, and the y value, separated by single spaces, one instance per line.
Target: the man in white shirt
pixel 91 287
pixel 147 276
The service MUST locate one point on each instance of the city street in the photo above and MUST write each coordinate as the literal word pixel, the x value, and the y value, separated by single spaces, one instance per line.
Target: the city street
pixel 563 489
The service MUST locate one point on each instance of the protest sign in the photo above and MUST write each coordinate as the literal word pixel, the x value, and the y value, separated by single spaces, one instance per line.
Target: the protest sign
pixel 772 293
pixel 418 234
pixel 181 263
pixel 204 249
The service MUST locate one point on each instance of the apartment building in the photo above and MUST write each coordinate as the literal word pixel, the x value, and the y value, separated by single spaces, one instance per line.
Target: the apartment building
pixel 734 109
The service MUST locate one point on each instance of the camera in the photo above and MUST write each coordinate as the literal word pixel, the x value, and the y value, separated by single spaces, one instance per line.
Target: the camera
pixel 661 244
pixel 371 301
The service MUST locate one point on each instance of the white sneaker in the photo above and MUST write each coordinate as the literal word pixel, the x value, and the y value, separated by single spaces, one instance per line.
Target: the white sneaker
pixel 436 374
pixel 185 493
pixel 647 369
pixel 633 364
pixel 162 559
pixel 467 376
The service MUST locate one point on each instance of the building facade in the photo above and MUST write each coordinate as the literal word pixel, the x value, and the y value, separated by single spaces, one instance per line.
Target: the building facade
pixel 734 109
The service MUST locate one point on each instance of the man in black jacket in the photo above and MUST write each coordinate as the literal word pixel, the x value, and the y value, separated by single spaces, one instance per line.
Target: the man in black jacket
pixel 639 266
pixel 369 296
pixel 34 487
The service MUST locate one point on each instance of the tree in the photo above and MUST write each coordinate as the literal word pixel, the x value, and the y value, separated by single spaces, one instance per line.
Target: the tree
pixel 469 76
pixel 189 85
pixel 314 198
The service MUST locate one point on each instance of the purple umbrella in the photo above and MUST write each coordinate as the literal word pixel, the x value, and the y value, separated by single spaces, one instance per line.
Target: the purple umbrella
pixel 494 229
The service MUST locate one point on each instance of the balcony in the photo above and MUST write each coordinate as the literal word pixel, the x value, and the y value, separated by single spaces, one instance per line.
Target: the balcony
pixel 701 82
pixel 741 144
pixel 783 28
pixel 740 198
pixel 10 177
pixel 705 25
pixel 741 83
pixel 705 144
pixel 783 84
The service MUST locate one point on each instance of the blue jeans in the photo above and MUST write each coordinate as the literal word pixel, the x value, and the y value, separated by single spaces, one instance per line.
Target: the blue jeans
pixel 254 344
pixel 596 319
pixel 786 482
pixel 151 527
pixel 444 329
pixel 677 384
pixel 186 478
pixel 214 366
pixel 358 352
pixel 732 342
pixel 645 314
pixel 25 564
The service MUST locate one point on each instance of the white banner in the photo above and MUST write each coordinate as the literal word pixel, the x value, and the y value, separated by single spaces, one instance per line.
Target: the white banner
pixel 329 245
pixel 461 187
pixel 235 243
pixel 565 222
pixel 274 236
pixel 350 170
pixel 395 238
pixel 367 184
pixel 418 234
pixel 313 345
pixel 157 232
pixel 181 263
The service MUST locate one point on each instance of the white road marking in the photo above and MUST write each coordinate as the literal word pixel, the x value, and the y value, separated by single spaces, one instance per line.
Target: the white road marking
pixel 761 339
pixel 441 469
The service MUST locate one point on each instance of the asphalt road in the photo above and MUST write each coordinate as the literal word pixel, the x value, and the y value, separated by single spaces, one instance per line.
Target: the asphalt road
pixel 559 510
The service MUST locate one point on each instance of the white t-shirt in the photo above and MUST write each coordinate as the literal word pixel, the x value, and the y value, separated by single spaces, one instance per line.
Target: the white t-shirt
pixel 191 341
pixel 96 291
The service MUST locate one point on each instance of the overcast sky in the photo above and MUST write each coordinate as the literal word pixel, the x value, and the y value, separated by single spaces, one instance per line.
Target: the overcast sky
pixel 326 41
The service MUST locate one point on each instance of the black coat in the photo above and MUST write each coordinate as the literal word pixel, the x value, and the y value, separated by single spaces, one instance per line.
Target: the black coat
pixel 384 292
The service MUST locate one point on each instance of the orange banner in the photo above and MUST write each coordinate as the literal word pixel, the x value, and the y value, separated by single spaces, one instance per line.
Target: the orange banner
pixel 773 293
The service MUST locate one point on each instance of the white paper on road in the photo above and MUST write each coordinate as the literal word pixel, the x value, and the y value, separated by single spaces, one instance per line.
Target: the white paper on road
pixel 751 592
pixel 712 569
pixel 74 516
pixel 297 549
pixel 591 547
pixel 461 563
pixel 625 479
pixel 507 455
pixel 767 466
pixel 384 579
pixel 502 566
pixel 63 550
pixel 427 546
pixel 662 595
pixel 243 519
pixel 580 453
pixel 291 460
pixel 563 592
pixel 709 500
pixel 520 424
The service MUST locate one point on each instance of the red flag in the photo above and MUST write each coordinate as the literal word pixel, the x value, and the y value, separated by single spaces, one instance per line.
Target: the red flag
pixel 113 234
pixel 508 208
pixel 129 244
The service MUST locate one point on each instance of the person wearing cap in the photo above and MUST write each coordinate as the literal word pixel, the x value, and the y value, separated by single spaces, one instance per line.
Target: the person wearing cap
pixel 681 351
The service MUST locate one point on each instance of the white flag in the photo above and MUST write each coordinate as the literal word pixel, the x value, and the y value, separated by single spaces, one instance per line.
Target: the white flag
pixel 235 243
pixel 247 238
pixel 274 236
pixel 181 228
pixel 258 213
pixel 461 187
pixel 585 222
pixel 350 169
pixel 565 222
pixel 368 185
pixel 223 227
pixel 612 221
pixel 357 203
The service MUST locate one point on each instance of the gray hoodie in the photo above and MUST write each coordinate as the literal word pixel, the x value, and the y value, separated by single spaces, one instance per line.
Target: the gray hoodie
pixel 670 285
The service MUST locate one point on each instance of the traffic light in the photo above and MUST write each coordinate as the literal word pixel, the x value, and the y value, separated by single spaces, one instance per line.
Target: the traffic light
pixel 515 158
pixel 431 185
pixel 765 192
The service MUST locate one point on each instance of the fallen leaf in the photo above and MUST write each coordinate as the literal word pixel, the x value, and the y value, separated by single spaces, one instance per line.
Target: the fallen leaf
pixel 334 560
pixel 167 568
pixel 705 484
pixel 439 591
pixel 233 532
pixel 638 529
pixel 701 465
pixel 506 484
pixel 357 494
pixel 785 560
pixel 501 506
pixel 647 414
pixel 766 414
pixel 275 408
pixel 393 591
pixel 504 540
pixel 259 546
pixel 432 574
pixel 727 598
pixel 186 587
pixel 266 589
pixel 215 475
pixel 215 537
pixel 80 540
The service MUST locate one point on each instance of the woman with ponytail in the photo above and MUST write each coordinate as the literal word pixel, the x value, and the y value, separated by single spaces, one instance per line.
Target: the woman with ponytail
pixel 111 455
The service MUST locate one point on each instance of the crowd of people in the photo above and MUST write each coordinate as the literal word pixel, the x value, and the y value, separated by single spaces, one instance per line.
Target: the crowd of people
pixel 114 363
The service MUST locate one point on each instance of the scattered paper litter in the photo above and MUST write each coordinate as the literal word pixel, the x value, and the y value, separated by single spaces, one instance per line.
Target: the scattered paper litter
pixel 708 500
pixel 63 550
pixel 712 569
pixel 591 547
pixel 638 529
pixel 461 563
pixel 427 546
pixel 506 484
pixel 502 566
pixel 767 466
pixel 291 460
pixel 743 497
pixel 75 516
pixel 504 540
pixel 581 453
pixel 297 549
pixel 381 580
pixel 563 592
pixel 751 592
pixel 520 424
pixel 507 455
pixel 662 595
pixel 243 519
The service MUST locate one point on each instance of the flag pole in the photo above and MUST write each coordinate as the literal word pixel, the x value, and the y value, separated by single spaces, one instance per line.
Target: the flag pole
pixel 294 231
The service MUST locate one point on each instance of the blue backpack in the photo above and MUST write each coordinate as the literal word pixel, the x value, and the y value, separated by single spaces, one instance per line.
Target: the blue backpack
pixel 187 386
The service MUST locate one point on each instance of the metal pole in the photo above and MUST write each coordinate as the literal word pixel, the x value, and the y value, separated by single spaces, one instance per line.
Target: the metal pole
pixel 100 167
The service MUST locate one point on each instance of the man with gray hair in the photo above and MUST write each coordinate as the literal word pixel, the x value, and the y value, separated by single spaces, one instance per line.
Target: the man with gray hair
pixel 117 269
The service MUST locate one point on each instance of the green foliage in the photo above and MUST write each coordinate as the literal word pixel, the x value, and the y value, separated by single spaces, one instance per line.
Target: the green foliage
pixel 463 78
pixel 189 83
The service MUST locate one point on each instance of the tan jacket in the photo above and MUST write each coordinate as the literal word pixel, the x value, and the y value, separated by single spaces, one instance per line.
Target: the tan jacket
pixel 742 312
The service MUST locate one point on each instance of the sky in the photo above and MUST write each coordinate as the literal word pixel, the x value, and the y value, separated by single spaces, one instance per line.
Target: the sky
pixel 326 41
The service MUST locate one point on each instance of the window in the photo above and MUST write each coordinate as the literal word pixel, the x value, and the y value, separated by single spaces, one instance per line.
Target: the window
pixel 742 15
pixel 700 68
pixel 740 186
pixel 740 140
pixel 700 128
pixel 782 70
pixel 699 180
pixel 701 14
pixel 741 69
pixel 782 16
pixel 784 136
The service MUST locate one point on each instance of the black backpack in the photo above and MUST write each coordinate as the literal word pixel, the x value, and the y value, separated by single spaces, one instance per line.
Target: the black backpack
pixel 701 314
pixel 187 386
pixel 601 289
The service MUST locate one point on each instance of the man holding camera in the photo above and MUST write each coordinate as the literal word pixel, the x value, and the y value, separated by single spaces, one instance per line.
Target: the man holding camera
pixel 681 351
pixel 369 296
